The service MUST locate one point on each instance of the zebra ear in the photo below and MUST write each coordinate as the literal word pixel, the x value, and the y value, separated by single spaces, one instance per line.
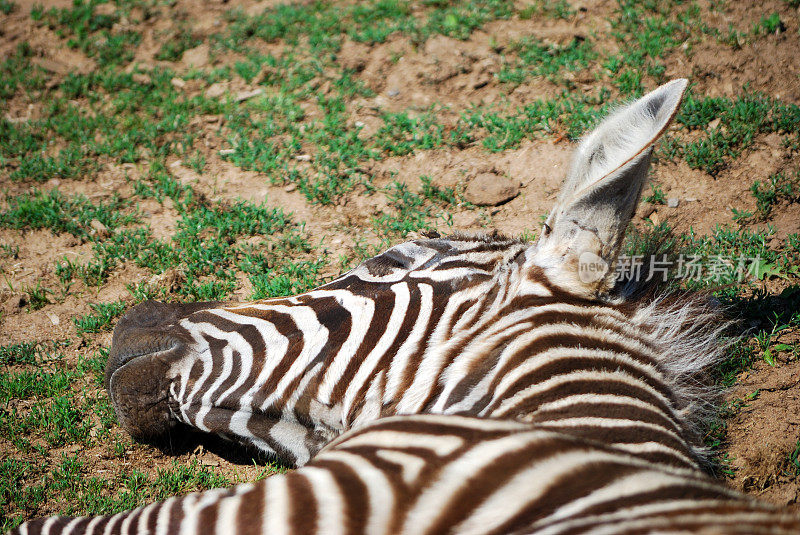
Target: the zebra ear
pixel 582 236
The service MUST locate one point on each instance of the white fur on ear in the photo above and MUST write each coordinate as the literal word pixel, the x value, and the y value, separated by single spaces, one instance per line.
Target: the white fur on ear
pixel 583 234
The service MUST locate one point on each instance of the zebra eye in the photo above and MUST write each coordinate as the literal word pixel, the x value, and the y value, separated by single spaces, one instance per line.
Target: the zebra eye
pixel 547 228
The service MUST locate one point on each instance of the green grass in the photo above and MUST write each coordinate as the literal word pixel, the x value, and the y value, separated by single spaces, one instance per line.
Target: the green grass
pixel 656 195
pixel 46 405
pixel 101 319
pixel 7 7
pixel 776 188
pixel 532 58
pixel 58 213
pixel 173 49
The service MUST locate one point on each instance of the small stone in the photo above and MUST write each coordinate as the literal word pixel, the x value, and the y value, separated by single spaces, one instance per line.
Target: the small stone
pixel 490 189
pixel 226 152
pixel 98 227
pixel 244 95
pixel 393 93
pixel 215 90
pixel 673 202
pixel 168 203
pixel 303 157
pixel 176 163
pixel 290 188
pixel 714 124
pixel 16 120
pixel 196 57
pixel 141 79
pixel 359 124
pixel 655 219
pixel 54 319
pixel 178 83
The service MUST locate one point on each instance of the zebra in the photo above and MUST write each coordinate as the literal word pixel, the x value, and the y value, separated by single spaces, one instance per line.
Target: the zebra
pixel 484 326
pixel 462 337
pixel 434 474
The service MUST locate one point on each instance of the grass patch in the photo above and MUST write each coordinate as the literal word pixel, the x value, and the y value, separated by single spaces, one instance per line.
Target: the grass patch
pixel 59 213
pixel 101 319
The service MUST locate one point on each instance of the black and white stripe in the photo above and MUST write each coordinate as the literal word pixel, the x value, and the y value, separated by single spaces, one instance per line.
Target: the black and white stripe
pixel 431 474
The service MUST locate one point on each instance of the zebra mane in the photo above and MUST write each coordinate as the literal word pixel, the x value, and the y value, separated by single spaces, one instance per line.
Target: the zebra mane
pixel 692 332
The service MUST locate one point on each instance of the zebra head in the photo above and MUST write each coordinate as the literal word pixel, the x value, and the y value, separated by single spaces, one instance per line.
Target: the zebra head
pixel 418 328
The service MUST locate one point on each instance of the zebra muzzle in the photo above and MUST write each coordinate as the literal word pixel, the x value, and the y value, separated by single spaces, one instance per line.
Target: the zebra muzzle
pixel 145 344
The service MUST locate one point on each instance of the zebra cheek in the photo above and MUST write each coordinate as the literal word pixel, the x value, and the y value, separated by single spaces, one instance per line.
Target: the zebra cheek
pixel 139 394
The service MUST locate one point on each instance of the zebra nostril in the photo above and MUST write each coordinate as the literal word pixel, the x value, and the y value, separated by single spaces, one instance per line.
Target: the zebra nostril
pixel 145 342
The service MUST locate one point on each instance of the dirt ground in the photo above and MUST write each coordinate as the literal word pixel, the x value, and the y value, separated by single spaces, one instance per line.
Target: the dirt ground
pixel 762 432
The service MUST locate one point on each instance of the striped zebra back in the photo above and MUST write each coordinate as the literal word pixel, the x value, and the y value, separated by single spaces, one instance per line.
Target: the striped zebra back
pixel 429 474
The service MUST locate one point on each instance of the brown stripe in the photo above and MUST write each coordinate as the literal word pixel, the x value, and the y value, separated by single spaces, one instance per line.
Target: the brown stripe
pixel 606 409
pixel 531 403
pixel 251 511
pixel 207 517
pixel 566 488
pixel 354 494
pixel 384 300
pixel 492 477
pixel 303 512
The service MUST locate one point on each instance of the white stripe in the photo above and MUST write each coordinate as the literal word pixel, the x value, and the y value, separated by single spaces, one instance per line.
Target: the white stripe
pixel 276 505
pixel 610 399
pixel 410 346
pixel 141 525
pixel 48 524
pixel 367 368
pixel 433 501
pixel 498 328
pixel 164 515
pixel 438 444
pixel 509 404
pixel 227 366
pixel 361 310
pixel 71 526
pixel 292 435
pixel 628 513
pixel 90 527
pixel 653 447
pixel 227 513
pixel 111 523
pixel 435 356
pixel 329 498
pixel 410 466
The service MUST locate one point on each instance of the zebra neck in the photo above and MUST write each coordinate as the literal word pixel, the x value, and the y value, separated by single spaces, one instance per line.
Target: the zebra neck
pixel 578 369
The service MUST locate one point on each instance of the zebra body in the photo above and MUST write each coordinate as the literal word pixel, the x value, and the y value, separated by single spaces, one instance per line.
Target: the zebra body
pixel 462 385
pixel 290 374
pixel 432 474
